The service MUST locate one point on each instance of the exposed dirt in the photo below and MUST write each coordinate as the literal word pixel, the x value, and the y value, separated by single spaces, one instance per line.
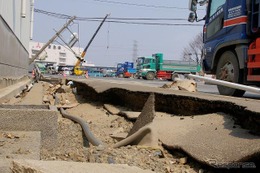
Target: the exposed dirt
pixel 73 146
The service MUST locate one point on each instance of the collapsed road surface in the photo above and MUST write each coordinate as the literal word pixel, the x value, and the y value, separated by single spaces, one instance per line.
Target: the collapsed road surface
pixel 127 128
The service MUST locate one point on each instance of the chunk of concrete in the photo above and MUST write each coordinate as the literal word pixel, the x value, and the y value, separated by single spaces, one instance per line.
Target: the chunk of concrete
pixel 45 121
pixel 112 109
pixel 34 166
pixel 147 115
pixel 182 84
pixel 130 115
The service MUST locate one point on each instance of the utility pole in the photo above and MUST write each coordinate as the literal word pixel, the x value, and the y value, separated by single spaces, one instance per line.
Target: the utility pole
pixel 51 40
pixel 135 50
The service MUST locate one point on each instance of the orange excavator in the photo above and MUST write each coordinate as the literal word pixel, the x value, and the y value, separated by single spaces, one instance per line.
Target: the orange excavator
pixel 78 66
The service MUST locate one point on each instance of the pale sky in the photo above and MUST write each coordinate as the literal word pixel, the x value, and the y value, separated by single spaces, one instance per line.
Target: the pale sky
pixel 114 42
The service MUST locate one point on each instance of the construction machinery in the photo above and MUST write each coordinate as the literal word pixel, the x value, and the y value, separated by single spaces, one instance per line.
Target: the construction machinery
pixel 231 41
pixel 155 66
pixel 78 70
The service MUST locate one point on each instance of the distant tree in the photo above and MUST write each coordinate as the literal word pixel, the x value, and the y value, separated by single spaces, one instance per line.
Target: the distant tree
pixel 193 51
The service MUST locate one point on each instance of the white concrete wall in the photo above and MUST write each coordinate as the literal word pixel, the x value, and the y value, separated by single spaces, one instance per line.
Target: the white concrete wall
pixel 14 38
pixel 11 12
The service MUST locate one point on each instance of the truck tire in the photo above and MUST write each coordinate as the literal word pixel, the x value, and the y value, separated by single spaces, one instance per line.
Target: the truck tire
pixel 120 75
pixel 174 76
pixel 228 70
pixel 150 76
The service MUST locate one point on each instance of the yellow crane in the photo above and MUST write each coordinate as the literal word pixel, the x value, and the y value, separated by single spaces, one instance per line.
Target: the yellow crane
pixel 77 68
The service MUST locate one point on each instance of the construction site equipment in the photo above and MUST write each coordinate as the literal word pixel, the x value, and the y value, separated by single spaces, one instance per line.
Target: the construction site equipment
pixel 78 69
pixel 155 66
pixel 231 41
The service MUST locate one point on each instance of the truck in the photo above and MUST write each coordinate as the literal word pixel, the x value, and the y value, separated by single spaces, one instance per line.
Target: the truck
pixel 151 67
pixel 125 70
pixel 231 37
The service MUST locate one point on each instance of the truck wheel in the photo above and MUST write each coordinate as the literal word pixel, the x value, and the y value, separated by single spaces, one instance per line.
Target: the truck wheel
pixel 120 75
pixel 136 76
pixel 228 70
pixel 174 76
pixel 150 76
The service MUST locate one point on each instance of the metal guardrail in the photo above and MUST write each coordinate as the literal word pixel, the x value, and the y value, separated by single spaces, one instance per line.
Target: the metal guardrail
pixel 225 83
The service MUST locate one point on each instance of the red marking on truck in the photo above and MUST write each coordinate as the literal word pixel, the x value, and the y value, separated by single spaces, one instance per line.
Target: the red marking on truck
pixel 204 29
pixel 235 21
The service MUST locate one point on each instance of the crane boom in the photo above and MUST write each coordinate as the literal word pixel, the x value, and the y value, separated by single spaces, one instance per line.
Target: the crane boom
pixel 80 58
pixel 94 35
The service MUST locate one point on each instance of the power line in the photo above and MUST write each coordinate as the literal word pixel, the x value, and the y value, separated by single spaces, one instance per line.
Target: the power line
pixel 140 5
pixel 121 20
pixel 64 16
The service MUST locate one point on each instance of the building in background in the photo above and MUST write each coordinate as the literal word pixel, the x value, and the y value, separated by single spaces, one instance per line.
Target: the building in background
pixel 58 55
pixel 16 19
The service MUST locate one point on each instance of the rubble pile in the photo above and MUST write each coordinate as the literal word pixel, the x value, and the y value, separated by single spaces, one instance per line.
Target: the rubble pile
pixel 106 123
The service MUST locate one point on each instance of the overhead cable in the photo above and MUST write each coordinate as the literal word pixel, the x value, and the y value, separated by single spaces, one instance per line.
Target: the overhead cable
pixel 140 5
pixel 136 21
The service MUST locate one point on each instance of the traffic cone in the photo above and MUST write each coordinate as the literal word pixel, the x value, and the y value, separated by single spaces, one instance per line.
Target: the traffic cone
pixel 33 74
pixel 86 75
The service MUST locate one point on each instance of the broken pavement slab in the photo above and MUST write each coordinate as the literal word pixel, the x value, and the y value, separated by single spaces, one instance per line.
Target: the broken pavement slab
pixel 134 95
pixel 212 139
pixel 24 166
pixel 182 84
pixel 112 109
pixel 130 114
pixel 147 115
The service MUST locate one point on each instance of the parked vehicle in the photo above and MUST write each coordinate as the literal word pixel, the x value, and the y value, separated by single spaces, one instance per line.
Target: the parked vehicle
pixel 67 68
pixel 231 41
pixel 125 70
pixel 41 67
pixel 51 69
pixel 95 73
pixel 155 66
pixel 109 73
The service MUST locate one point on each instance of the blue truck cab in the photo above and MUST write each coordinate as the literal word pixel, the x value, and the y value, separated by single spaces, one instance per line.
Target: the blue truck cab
pixel 231 41
pixel 225 29
pixel 125 70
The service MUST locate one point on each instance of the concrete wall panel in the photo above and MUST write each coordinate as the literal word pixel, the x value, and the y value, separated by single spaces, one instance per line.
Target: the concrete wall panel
pixel 11 12
pixel 13 55
pixel 14 38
